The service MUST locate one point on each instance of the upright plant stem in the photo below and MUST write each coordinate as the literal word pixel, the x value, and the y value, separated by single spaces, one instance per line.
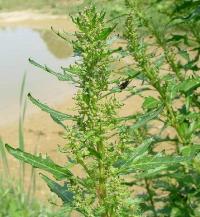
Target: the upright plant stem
pixel 139 54
pixel 4 159
pixel 21 130
pixel 150 197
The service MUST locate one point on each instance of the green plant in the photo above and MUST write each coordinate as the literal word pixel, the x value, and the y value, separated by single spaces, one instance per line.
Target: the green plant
pixel 22 102
pixel 87 139
pixel 177 93
pixel 12 206
pixel 96 142
pixel 5 166
pixel 115 152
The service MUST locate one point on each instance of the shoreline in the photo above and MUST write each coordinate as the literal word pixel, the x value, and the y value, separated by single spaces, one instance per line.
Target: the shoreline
pixel 35 19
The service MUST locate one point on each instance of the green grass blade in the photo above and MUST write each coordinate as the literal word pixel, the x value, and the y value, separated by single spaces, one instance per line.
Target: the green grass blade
pixel 32 186
pixel 4 159
pixel 22 102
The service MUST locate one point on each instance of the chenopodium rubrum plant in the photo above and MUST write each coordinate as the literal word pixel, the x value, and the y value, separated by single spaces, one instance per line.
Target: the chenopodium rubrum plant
pixel 177 102
pixel 92 141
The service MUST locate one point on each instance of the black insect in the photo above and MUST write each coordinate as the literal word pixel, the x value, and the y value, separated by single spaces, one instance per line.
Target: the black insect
pixel 124 84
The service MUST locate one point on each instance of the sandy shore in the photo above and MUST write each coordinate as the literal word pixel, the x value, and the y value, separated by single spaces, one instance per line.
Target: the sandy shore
pixel 35 19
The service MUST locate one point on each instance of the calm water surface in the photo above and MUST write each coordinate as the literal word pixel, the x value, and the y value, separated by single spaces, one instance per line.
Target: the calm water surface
pixel 16 46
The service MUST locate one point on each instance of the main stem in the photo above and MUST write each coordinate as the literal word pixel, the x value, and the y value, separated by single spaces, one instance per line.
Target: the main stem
pixel 151 198
pixel 102 177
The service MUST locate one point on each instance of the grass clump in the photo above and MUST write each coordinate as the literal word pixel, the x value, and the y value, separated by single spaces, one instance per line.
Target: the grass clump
pixel 14 202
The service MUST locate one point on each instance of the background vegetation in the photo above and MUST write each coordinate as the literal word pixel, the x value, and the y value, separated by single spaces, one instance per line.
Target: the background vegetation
pixel 48 6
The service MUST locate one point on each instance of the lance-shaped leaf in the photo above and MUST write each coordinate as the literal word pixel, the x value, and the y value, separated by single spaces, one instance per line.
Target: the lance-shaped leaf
pixel 59 116
pixel 151 173
pixel 137 153
pixel 61 77
pixel 177 38
pixel 150 103
pixel 45 164
pixel 105 33
pixel 75 70
pixel 58 122
pixel 61 191
pixel 189 85
pixel 145 118
pixel 136 91
pixel 127 118
pixel 61 35
pixel 148 162
pixel 132 73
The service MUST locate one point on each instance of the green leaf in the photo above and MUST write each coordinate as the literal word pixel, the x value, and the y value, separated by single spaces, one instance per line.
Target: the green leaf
pixel 189 85
pixel 147 162
pixel 115 90
pixel 160 61
pixel 129 117
pixel 194 15
pixel 61 77
pixel 184 128
pixel 75 70
pixel 95 153
pixel 136 91
pixel 190 150
pixel 56 115
pixel 177 38
pixel 150 103
pixel 137 153
pixel 184 54
pixel 131 73
pixel 145 118
pixel 150 173
pixel 58 121
pixel 45 164
pixel 61 191
pixel 105 33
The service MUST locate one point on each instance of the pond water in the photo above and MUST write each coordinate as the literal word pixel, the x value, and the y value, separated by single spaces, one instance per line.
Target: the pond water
pixel 16 46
